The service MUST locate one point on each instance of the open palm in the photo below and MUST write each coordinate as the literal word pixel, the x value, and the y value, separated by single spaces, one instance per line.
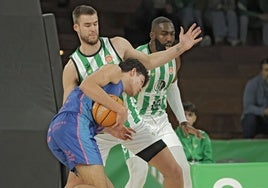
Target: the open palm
pixel 191 37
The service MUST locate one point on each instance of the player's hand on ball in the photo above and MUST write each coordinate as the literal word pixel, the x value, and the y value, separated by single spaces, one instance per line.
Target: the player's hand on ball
pixel 106 117
pixel 121 117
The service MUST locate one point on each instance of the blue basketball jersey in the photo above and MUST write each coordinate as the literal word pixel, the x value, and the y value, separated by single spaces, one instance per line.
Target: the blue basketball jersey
pixel 71 132
pixel 78 102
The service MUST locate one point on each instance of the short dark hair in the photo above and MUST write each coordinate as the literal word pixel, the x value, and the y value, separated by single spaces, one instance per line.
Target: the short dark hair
pixel 159 20
pixel 264 61
pixel 129 64
pixel 189 107
pixel 82 10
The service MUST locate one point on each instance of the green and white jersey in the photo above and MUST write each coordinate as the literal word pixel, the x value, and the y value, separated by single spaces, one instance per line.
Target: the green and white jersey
pixel 86 65
pixel 152 100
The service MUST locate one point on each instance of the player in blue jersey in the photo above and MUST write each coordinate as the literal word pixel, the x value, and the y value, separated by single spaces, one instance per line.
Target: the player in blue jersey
pixel 72 130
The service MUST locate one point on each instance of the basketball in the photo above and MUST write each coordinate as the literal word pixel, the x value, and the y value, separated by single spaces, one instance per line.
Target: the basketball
pixel 104 116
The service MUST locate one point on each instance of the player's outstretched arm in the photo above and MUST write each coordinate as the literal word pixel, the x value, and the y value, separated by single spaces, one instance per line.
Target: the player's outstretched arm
pixel 187 41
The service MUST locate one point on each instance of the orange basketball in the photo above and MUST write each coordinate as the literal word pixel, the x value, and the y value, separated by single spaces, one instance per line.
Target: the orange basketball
pixel 104 116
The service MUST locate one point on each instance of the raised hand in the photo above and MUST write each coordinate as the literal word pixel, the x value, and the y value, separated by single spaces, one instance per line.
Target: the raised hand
pixel 190 38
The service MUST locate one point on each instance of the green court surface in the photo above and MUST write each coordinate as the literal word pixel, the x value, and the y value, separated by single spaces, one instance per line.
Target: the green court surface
pixel 237 162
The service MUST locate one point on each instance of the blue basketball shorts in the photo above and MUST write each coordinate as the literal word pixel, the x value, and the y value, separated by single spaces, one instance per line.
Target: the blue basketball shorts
pixel 71 140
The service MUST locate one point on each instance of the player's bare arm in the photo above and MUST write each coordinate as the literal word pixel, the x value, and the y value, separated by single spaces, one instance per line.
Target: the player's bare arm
pixel 187 41
pixel 178 66
pixel 69 79
pixel 129 52
pixel 92 86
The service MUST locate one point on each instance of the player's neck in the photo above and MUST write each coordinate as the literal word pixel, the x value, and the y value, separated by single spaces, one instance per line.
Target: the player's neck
pixel 152 47
pixel 89 49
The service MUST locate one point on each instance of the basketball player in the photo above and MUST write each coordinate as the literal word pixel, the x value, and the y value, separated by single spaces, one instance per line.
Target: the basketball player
pixel 152 103
pixel 72 130
pixel 96 51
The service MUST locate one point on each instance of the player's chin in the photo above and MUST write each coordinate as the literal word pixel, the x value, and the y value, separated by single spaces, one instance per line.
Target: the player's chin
pixel 93 40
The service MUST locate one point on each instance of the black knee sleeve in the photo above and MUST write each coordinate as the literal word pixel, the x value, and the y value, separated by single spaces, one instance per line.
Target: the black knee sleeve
pixel 148 153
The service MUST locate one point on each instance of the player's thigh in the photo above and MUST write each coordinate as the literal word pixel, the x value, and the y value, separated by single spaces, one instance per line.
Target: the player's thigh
pixel 92 175
pixel 165 163
pixel 73 180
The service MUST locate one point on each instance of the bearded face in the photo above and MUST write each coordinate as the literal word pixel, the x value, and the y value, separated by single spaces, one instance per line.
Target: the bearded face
pixel 89 38
pixel 164 36
pixel 162 46
pixel 87 29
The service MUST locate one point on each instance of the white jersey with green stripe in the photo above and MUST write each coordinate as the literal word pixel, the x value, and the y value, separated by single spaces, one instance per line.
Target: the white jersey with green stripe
pixel 86 65
pixel 152 100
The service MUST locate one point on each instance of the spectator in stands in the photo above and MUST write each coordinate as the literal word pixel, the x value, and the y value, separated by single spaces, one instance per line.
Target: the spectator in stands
pixel 224 22
pixel 255 104
pixel 253 14
pixel 197 150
